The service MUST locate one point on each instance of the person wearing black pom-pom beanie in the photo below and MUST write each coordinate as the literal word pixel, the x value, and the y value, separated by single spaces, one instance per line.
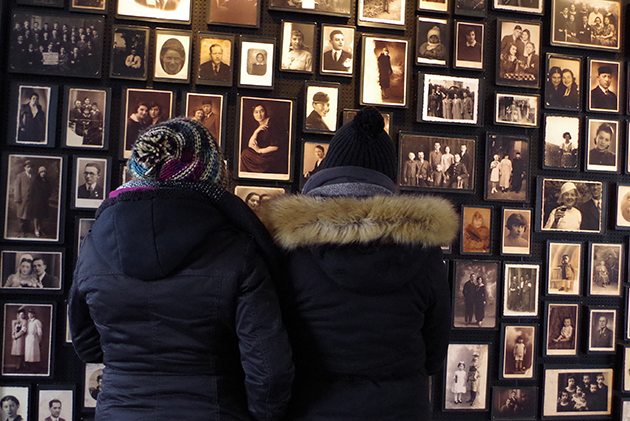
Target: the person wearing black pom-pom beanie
pixel 366 298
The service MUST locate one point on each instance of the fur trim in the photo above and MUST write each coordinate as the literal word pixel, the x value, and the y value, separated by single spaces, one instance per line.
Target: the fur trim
pixel 298 220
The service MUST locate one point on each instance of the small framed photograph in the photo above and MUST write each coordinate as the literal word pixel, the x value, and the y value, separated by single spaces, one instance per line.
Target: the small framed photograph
pixel 384 71
pixel 172 55
pixel 625 387
pixel 208 109
pixel 91 181
pixel 27 340
pixel 86 116
pixel 434 5
pixel 168 11
pixel 475 8
pixel 348 115
pixel 342 8
pixel 562 142
pixel 28 271
pixel 564 395
pixel 529 6
pixel 602 333
pixel 605 269
pixel 475 293
pixel 469 42
pixel 55 402
pixel 571 205
pixel 597 27
pixel 507 168
pixel 254 196
pixel 476 233
pixel 337 50
pixel 520 286
pixel 82 229
pixel 34 113
pixel 216 59
pixel 623 206
pixel 561 329
pixel 518 347
pixel 257 62
pixel 514 403
pixel 564 270
pixel 466 377
pixel 448 99
pixel 432 41
pixel 240 14
pixel 88 6
pixel 92 379
pixel 603 145
pixel 516 110
pixel 605 79
pixel 563 85
pixel 130 52
pixel 517 232
pixel 265 138
pixel 321 107
pixel 15 401
pixel 313 153
pixel 519 53
pixel 382 13
pixel 298 47
pixel 33 210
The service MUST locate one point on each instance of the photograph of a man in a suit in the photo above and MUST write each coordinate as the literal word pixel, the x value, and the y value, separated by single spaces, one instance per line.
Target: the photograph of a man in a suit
pixel 215 69
pixel 602 337
pixel 91 189
pixel 55 411
pixel 47 280
pixel 591 209
pixel 602 97
pixel 321 107
pixel 337 59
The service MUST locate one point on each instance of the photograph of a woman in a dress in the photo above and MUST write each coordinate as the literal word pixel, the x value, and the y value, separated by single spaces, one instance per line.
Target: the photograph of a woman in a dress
pixel 32 114
pixel 23 277
pixel 298 57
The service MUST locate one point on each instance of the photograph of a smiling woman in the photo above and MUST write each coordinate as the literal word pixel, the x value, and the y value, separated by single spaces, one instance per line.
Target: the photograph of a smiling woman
pixel 172 56
pixel 572 205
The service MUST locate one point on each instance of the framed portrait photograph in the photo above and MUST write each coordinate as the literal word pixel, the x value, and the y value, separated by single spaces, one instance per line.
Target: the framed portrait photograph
pixel 528 6
pixel 564 270
pixel 469 42
pixel 432 41
pixel 86 113
pixel 15 399
pixel 47 3
pixel 518 55
pixel 605 79
pixel 348 115
pixel 596 26
pixel 172 55
pixel 342 8
pixel 384 71
pixel 514 403
pixel 92 379
pixel 571 205
pixel 90 181
pixel 476 236
pixel 622 220
pixel 507 168
pixel 337 50
pixel 625 387
pixel 55 402
pixel 423 160
pixel 516 110
pixel 240 14
pixel 216 59
pixel 475 8
pixel 563 84
pixel 313 153
pixel 434 5
pixel 257 62
pixel 27 340
pixel 602 332
pixel 562 142
pixel 82 229
pixel 381 13
pixel 88 6
pixel 298 46
pixel 520 289
pixel 466 377
pixel 130 52
pixel 605 269
pixel 254 196
pixel 603 146
pixel 321 107
pixel 563 383
pixel 173 11
pixel 561 329
pixel 475 293
pixel 265 138
pixel 28 271
pixel 448 99
pixel 33 203
pixel 518 349
pixel 209 109
pixel 33 115
pixel 516 231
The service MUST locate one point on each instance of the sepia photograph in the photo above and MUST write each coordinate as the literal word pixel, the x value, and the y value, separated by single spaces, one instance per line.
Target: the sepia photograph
pixel 215 59
pixel 563 85
pixel 432 41
pixel 596 25
pixel 448 99
pixel 517 231
pixel 507 168
pixel 475 294
pixel 466 377
pixel 605 269
pixel 173 11
pixel 256 196
pixel 565 392
pixel 208 109
pixel 561 329
pixel 522 6
pixel 382 13
pixel 626 371
pixel 518 55
pixel 602 332
pixel 55 402
pixel 519 352
pixel 92 379
pixel 514 403
pixel 15 401
pixel 564 270
pixel 313 153
pixel 476 230
pixel 34 115
pixel 172 55
pixel 623 206
pixel 234 13
pixel 520 289
pixel 604 79
pixel 130 51
pixel 469 42
pixel 86 113
pixel 384 72
pixel 88 6
pixel 348 115
pixel 434 5
pixel 321 107
pixel 26 271
pixel 602 145
pixel 90 181
pixel 337 50
pixel 516 110
pixel 562 142
pixel 257 62
pixel 341 8
pixel 476 8
pixel 298 47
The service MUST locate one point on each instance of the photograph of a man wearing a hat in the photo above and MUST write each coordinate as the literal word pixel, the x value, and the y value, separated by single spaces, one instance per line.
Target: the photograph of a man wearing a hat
pixel 602 96
pixel 320 108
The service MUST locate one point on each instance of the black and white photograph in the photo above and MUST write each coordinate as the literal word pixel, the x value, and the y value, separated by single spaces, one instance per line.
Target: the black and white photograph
pixel 33 199
pixel 517 231
pixel 522 6
pixel 208 109
pixel 562 142
pixel 313 153
pixel 88 6
pixel 605 79
pixel 435 5
pixel 382 13
pixel 519 352
pixel 31 271
pixel 254 196
pixel 518 54
pixel 602 334
pixel 34 115
pixel 15 402
pixel 563 84
pixel 507 168
pixel 257 62
pixel 514 403
pixel 298 47
pixel 90 181
pixel 130 51
pixel 565 394
pixel 602 144
pixel 466 377
pixel 265 138
pixel 605 269
pixel 175 11
pixel 27 340
pixel 86 113
pixel 564 270
pixel 55 402
pixel 56 44
pixel 337 50
pixel 384 72
pixel 448 99
pixel 83 227
pixel 172 55
pixel 623 206
pixel 348 115
pixel 475 294
pixel 341 8
pixel 520 289
pixel 92 384
pixel 433 46
pixel 469 43
pixel 516 110
pixel 234 13
pixel 216 59
pixel 476 230
pixel 586 25
pixel 321 107
pixel 561 329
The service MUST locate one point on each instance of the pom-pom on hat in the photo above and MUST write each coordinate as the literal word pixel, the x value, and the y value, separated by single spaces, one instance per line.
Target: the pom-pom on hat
pixel 364 143
pixel 179 149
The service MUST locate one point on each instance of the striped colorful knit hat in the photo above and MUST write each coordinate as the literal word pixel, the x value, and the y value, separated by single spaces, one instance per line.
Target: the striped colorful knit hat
pixel 179 149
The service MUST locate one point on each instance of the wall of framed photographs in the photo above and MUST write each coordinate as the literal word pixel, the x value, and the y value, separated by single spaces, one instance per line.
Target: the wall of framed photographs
pixel 516 110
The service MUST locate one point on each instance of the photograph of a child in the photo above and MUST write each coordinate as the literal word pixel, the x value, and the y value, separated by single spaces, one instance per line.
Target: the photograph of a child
pixel 518 352
pixel 577 392
pixel 605 269
pixel 562 324
pixel 562 142
pixel 520 286
pixel 432 41
pixel 509 403
pixel 466 382
pixel 564 271
pixel 476 230
pixel 507 167
pixel 516 231
pixel 475 294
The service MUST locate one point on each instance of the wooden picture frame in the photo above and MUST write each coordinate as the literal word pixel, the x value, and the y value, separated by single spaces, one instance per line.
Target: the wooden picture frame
pixel 562 142
pixel 172 53
pixel 564 268
pixel 27 127
pixel 86 113
pixel 130 52
pixel 475 294
pixel 516 230
pixel 215 59
pixel 381 83
pixel 507 168
pixel 448 99
pixel 257 60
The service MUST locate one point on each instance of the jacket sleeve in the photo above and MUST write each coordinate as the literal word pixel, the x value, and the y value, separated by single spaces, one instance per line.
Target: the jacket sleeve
pixel 263 342
pixel 85 338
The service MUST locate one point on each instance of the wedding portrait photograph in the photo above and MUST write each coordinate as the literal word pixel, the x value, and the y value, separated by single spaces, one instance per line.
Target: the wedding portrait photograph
pixel 384 72
pixel 475 294
pixel 28 271
pixel 466 377
pixel 448 99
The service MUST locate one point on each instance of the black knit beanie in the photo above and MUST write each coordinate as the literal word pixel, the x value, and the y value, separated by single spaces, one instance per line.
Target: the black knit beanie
pixel 363 143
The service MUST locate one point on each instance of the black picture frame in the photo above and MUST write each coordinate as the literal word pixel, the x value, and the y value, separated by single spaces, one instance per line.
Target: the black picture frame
pixel 604 78
pixel 257 62
pixel 523 403
pixel 56 399
pixel 321 107
pixel 518 58
pixel 21 393
pixel 46 278
pixel 82 227
pixel 215 59
pixel 92 377
pixel 475 302
pixel 603 145
pixel 163 12
pixel 475 8
pixel 381 14
pixel 555 379
pixel 563 83
pixel 27 128
pixel 521 285
pixel 602 332
pixel 605 269
pixel 348 114
pixel 90 181
pixel 476 230
pixel 339 39
pixel 437 51
pixel 564 268
pixel 440 6
pixel 517 110
pixel 562 142
pixel 239 14
pixel 518 351
pixel 298 58
pixel 173 51
pixel 341 9
pixel 516 229
pixel 88 6
pixel 130 52
pixel 210 110
pixel 507 168
pixel 622 213
pixel 436 96
pixel 469 45
pixel 475 355
pixel 535 7
pixel 312 155
pixel 562 329
pixel 86 123
pixel 381 83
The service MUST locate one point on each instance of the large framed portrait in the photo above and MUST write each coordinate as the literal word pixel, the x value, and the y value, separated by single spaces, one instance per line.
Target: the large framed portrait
pixel 602 332
pixel 563 86
pixel 31 271
pixel 55 402
pixel 514 403
pixel 516 110
pixel 265 138
pixel 466 377
pixel 434 5
pixel 90 181
pixel 254 196
pixel 528 6
pixel 172 55
pixel 507 168
pixel 175 11
pixel 562 142
pixel 238 13
pixel 602 145
pixel 596 26
pixel 27 340
pixel 313 153
pixel 469 43
pixel 448 99
pixel 384 71
pixel 571 205
pixel 382 13
pixel 564 393
pixel 17 399
pixel 605 269
pixel 516 229
pixel 348 115
pixel 476 235
pixel 298 46
pixel 475 294
pixel 423 160
pixel 564 270
pixel 622 220
pixel 80 56
pixel 342 8
pixel 33 202
pixel 518 55
pixel 216 59
pixel 86 114
pixel 605 80
pixel 561 329
pixel 321 107
pixel 518 349
pixel 33 115
pixel 208 109
pixel 337 50
pixel 433 44
pixel 257 62
pixel 130 52
pixel 520 289
pixel 92 384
